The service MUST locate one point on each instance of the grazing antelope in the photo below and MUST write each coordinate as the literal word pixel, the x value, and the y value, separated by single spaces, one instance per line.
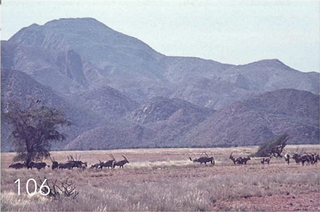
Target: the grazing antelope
pixel 96 165
pixel 204 160
pixel 76 163
pixel 244 160
pixel 302 158
pixel 120 163
pixel 56 165
pixel 239 160
pixel 18 165
pixel 38 166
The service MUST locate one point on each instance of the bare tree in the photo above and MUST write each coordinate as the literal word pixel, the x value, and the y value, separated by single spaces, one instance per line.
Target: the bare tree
pixel 58 189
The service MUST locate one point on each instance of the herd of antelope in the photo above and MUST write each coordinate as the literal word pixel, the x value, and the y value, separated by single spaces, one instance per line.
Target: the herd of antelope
pixel 303 158
pixel 72 163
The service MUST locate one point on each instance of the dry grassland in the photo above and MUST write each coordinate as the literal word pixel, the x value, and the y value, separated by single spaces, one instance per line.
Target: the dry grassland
pixel 166 180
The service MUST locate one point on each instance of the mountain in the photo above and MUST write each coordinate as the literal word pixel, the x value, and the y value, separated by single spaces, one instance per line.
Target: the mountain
pixel 112 84
pixel 272 75
pixel 78 54
pixel 105 101
pixel 256 120
pixel 156 124
pixel 62 71
pixel 161 108
pixel 113 137
pixel 169 118
pixel 21 88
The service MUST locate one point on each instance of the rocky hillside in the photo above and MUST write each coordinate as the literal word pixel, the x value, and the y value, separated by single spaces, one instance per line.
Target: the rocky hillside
pixel 156 124
pixel 161 108
pixel 78 54
pixel 22 89
pixel 261 118
pixel 112 84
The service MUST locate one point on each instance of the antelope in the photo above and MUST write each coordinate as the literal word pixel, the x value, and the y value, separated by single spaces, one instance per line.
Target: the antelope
pixel 96 165
pixel 304 158
pixel 204 160
pixel 38 166
pixel 244 160
pixel 316 158
pixel 239 160
pixel 17 165
pixel 232 158
pixel 120 163
pixel 266 160
pixel 109 163
pixel 287 158
pixel 68 165
pixel 56 165
pixel 76 163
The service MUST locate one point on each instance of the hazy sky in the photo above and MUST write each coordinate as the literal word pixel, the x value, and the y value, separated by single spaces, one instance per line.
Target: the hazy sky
pixel 228 31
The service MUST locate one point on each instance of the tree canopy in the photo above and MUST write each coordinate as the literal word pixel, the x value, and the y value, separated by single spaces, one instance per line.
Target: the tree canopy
pixel 34 128
pixel 273 147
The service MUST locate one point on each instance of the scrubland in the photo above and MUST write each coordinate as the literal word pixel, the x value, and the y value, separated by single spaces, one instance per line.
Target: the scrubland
pixel 166 180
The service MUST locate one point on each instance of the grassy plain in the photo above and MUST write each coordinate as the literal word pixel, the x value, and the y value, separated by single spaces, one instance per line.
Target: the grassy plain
pixel 166 180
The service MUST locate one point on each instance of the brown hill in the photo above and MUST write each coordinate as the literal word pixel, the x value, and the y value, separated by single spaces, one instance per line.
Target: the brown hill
pixel 113 137
pixel 259 119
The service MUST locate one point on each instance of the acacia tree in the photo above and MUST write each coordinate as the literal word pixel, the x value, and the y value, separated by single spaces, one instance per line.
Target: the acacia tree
pixel 273 147
pixel 34 128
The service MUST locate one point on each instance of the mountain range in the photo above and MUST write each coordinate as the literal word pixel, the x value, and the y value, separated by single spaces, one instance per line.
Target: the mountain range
pixel 120 93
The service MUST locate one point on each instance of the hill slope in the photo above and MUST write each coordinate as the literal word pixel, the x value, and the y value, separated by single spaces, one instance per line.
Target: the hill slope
pixel 103 77
pixel 78 54
pixel 259 119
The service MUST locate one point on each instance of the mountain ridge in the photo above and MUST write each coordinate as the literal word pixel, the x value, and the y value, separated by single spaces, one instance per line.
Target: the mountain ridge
pixel 111 76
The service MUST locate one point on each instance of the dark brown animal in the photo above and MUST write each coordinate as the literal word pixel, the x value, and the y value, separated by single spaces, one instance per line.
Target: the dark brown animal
pixel 38 166
pixel 18 166
pixel 239 160
pixel 108 164
pixel 245 160
pixel 121 163
pixel 96 166
pixel 204 160
pixel 76 163
pixel 232 158
pixel 266 160
pixel 305 158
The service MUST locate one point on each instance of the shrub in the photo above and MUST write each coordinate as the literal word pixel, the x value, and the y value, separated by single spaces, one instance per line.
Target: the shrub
pixel 272 147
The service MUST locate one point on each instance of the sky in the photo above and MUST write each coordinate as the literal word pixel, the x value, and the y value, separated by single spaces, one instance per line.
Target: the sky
pixel 228 31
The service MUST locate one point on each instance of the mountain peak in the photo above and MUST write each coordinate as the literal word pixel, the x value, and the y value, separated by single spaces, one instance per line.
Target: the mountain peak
pixel 76 23
pixel 92 40
pixel 271 63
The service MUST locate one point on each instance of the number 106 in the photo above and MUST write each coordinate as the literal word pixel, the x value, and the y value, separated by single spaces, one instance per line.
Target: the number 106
pixel 31 180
